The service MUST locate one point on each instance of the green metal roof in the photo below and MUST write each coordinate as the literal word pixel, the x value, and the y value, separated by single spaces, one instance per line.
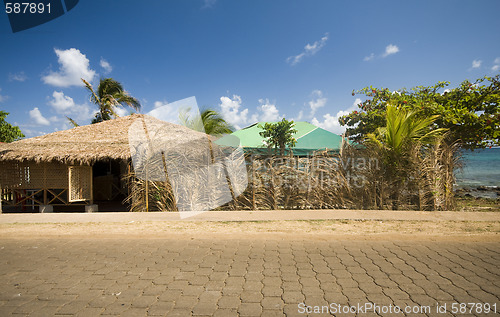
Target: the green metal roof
pixel 309 138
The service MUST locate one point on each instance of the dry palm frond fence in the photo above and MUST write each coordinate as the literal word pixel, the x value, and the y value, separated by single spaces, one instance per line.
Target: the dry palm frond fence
pixel 353 178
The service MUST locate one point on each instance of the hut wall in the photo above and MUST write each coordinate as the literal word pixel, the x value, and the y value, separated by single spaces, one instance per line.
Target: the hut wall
pixel 32 175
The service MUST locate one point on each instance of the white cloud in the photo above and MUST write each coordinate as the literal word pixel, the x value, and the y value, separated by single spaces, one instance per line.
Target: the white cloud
pixel 106 66
pixel 73 66
pixel 2 98
pixel 390 49
pixel 230 110
pixel 331 123
pixel 21 76
pixel 208 3
pixel 309 50
pixel 30 132
pixel 65 105
pixel 497 64
pixel 317 102
pixel 159 104
pixel 300 116
pixel 61 103
pixel 369 57
pixel 476 63
pixel 121 111
pixel 36 115
pixel 269 112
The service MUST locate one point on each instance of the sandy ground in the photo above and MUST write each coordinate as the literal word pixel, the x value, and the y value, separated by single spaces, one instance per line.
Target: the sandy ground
pixel 281 230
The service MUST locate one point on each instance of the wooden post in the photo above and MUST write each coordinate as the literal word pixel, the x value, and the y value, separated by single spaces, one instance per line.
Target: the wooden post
pixel 1 197
pixel 168 185
pixel 45 184
pixel 91 185
pixel 254 204
pixel 150 151
pixel 147 188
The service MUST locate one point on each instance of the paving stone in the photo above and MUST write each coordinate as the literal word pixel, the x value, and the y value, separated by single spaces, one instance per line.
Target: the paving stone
pixel 272 303
pixel 90 312
pixel 73 307
pixel 232 302
pixel 226 313
pixel 272 291
pixel 292 297
pixel 231 277
pixel 185 301
pixel 169 295
pixel 41 312
pixel 204 309
pixel 116 308
pixel 251 296
pixel 144 301
pixel 134 312
pixel 250 309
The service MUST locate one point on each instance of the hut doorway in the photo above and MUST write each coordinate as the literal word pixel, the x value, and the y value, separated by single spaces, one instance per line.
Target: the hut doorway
pixel 109 188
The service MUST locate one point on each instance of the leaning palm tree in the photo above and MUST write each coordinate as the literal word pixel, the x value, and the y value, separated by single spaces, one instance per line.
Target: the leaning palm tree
pixel 110 94
pixel 394 142
pixel 214 123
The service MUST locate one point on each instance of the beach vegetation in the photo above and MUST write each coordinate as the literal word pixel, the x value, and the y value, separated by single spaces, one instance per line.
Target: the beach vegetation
pixel 109 95
pixel 471 111
pixel 279 135
pixel 214 123
pixel 8 132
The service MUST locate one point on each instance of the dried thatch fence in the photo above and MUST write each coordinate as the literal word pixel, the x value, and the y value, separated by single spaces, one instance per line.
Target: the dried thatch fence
pixel 354 178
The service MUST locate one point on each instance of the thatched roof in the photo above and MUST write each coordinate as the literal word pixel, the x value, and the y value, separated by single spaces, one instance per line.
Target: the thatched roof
pixel 90 143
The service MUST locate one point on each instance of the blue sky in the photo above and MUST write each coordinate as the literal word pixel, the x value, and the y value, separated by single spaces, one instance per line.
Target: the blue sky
pixel 251 60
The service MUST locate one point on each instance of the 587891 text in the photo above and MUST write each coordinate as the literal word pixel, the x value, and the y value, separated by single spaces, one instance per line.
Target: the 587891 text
pixel 26 7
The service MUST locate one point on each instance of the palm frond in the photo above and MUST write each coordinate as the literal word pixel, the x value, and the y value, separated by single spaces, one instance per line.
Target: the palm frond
pixel 214 123
pixel 72 122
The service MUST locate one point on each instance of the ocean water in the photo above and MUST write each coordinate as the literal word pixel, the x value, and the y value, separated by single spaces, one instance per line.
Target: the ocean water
pixel 481 168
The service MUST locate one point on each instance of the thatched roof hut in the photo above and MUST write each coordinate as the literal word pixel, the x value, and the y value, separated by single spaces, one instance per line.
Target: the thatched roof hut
pixel 108 140
pixel 87 163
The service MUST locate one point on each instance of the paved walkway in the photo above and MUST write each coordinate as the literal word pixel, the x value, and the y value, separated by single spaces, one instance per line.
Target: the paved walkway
pixel 238 277
pixel 227 275
pixel 249 216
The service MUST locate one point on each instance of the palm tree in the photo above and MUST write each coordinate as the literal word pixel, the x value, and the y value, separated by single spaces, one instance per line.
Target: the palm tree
pixel 403 131
pixel 214 123
pixel 110 94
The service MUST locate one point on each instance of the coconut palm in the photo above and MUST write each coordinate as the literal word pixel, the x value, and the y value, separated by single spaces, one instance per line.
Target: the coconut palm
pixel 110 94
pixel 214 123
pixel 394 142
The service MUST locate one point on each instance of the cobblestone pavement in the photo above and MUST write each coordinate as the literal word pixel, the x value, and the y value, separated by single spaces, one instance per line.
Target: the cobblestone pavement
pixel 238 277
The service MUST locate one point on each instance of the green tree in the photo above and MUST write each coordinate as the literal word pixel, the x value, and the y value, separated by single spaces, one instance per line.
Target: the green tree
pixel 8 132
pixel 279 135
pixel 110 94
pixel 471 112
pixel 214 123
pixel 404 131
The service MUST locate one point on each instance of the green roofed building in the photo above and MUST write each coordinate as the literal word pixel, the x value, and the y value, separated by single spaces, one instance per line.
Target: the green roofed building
pixel 310 138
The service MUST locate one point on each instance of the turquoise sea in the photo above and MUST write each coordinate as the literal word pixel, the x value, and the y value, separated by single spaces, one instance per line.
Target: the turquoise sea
pixel 481 168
